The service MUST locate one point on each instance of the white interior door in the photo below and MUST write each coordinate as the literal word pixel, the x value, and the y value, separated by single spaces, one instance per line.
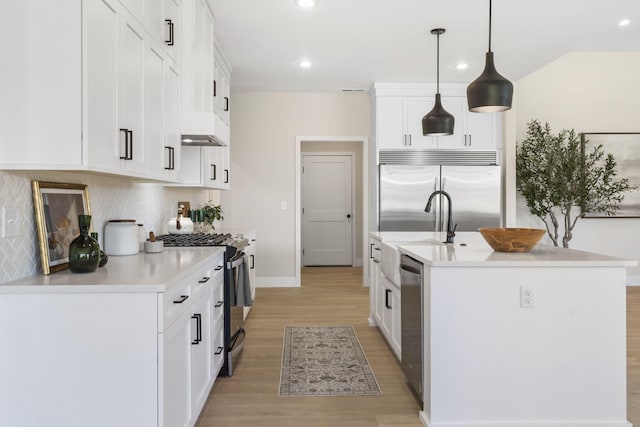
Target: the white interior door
pixel 327 212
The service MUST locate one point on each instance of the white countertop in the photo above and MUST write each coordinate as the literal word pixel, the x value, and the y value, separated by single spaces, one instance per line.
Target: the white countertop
pixel 480 254
pixel 471 250
pixel 136 273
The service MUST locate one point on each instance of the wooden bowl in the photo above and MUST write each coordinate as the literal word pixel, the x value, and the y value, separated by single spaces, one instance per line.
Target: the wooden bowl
pixel 512 239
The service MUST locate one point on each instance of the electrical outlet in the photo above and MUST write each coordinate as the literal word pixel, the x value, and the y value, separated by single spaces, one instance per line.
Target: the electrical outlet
pixel 527 297
pixel 10 222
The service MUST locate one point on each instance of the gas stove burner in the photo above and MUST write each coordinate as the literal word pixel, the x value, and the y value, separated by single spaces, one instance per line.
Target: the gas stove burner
pixel 196 239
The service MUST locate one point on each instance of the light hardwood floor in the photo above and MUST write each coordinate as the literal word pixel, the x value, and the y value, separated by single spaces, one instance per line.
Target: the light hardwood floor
pixel 335 296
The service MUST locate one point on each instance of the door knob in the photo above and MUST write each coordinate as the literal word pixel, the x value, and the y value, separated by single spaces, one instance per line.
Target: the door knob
pixel 348 215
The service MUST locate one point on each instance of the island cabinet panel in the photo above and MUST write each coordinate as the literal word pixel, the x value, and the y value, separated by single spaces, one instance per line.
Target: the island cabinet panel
pixel 487 358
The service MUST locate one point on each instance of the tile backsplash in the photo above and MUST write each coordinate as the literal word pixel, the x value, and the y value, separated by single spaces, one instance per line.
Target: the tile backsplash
pixel 109 197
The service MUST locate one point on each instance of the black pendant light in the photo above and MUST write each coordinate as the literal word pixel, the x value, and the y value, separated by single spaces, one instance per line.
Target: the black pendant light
pixel 438 122
pixel 490 92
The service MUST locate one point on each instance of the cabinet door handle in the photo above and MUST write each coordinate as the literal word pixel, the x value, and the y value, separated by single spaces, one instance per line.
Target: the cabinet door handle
pixel 218 268
pixel 410 140
pixel 213 172
pixel 182 299
pixel 170 25
pixel 253 262
pixel 226 176
pixel 170 158
pixel 219 304
pixel 387 292
pixel 218 351
pixel 198 318
pixel 204 280
pixel 469 140
pixel 173 158
pixel 465 140
pixel 371 250
pixel 215 88
pixel 128 144
pixel 226 103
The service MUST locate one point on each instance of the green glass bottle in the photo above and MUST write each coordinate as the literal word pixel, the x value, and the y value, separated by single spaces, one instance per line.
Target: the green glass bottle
pixel 84 251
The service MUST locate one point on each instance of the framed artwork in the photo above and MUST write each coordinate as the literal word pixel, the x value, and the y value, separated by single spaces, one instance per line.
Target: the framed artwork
pixel 625 148
pixel 57 206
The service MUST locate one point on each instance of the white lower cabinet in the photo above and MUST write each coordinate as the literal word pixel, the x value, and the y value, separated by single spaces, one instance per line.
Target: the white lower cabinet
pixel 384 298
pixel 106 358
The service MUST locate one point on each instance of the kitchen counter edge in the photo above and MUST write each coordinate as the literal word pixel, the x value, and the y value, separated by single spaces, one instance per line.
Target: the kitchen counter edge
pixel 143 272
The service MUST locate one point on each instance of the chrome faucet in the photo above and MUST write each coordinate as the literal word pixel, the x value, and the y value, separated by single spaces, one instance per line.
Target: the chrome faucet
pixel 451 229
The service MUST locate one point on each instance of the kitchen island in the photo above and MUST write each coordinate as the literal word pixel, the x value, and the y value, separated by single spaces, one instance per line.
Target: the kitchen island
pixel 531 339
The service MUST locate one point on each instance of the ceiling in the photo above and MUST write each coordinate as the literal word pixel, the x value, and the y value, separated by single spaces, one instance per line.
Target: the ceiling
pixel 353 43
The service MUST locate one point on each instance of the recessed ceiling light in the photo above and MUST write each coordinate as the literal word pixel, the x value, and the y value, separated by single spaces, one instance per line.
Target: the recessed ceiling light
pixel 462 66
pixel 624 22
pixel 305 63
pixel 305 3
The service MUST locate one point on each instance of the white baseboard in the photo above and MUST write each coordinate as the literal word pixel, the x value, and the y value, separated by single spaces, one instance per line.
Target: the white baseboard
pixel 277 282
pixel 372 321
pixel 358 262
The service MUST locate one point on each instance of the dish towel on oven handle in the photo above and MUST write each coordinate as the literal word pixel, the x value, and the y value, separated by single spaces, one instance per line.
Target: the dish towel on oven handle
pixel 242 297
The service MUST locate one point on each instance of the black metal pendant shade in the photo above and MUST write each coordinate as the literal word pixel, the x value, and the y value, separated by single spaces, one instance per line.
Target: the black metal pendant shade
pixel 438 121
pixel 490 92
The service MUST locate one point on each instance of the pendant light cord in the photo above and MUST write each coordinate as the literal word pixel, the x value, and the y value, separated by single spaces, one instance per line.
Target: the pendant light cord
pixel 438 64
pixel 489 25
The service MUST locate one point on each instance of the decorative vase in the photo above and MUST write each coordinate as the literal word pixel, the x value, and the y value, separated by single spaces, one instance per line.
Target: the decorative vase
pixel 84 250
pixel 104 258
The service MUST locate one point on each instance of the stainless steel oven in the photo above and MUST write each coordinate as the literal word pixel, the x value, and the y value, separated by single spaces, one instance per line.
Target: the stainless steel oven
pixel 234 330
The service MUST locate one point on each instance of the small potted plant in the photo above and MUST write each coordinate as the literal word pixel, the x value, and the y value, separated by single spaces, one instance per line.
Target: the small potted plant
pixel 211 213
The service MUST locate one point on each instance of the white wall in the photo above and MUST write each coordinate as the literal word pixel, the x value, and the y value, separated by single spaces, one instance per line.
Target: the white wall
pixel 588 92
pixel 264 127
pixel 109 198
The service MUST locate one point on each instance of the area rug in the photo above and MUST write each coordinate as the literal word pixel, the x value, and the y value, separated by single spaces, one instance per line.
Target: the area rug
pixel 324 361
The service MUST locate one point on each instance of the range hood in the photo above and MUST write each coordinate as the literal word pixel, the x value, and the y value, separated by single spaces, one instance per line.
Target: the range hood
pixel 202 140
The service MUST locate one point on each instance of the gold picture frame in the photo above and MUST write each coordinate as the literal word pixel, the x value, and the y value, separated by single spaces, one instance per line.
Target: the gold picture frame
pixel 57 206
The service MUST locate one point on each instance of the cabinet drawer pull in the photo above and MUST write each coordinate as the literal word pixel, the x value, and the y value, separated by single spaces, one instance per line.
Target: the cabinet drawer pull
pixel 198 318
pixel 219 304
pixel 204 280
pixel 218 268
pixel 182 299
pixel 226 176
pixel 218 351
pixel 253 262
pixel 213 172
pixel 387 292
pixel 170 25
pixel 215 88
pixel 226 103
pixel 371 250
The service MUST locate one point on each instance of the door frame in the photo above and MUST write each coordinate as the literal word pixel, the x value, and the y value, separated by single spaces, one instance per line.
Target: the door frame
pixel 354 225
pixel 364 140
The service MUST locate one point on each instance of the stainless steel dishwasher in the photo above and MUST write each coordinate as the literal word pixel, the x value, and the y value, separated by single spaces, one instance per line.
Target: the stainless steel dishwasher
pixel 412 321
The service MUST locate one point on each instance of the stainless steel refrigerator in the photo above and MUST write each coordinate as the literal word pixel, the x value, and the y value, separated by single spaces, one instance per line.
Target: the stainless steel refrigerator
pixel 473 182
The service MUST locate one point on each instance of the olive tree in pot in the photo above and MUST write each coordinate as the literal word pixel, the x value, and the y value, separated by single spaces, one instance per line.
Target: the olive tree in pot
pixel 557 178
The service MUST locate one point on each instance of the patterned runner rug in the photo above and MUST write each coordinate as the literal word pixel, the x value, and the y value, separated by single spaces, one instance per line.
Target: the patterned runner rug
pixel 324 361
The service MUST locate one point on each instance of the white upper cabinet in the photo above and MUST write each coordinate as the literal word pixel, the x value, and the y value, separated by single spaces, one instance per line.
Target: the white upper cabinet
pixel 172 28
pixel 398 119
pixel 100 106
pixel 197 69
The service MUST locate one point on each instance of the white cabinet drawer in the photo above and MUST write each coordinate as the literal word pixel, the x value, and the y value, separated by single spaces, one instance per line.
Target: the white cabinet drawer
pixel 179 298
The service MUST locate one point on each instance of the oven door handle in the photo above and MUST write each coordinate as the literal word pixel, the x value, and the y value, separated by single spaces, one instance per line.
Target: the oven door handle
pixel 235 263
